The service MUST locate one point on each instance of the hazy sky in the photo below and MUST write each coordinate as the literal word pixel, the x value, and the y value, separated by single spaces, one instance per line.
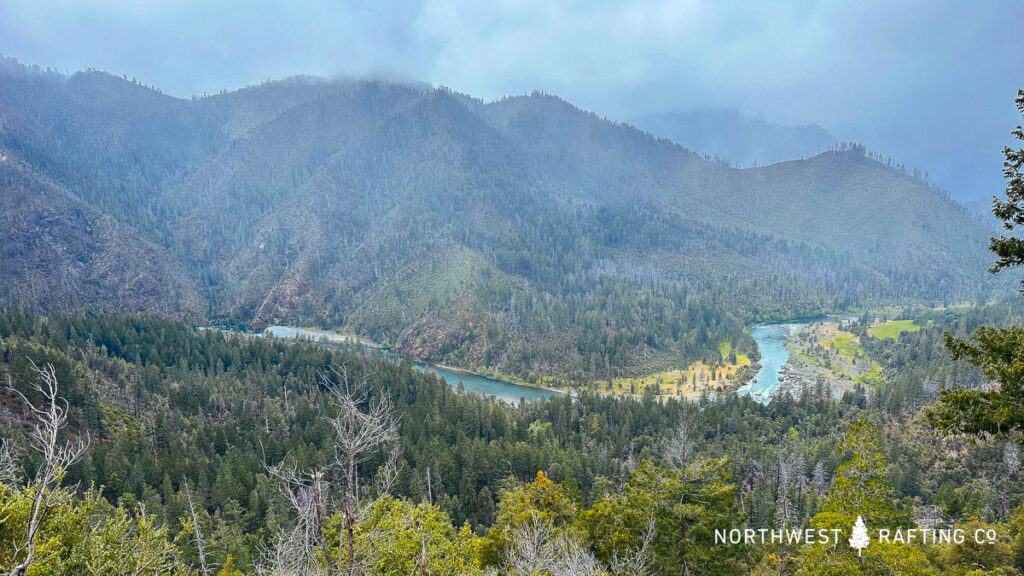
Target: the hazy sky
pixel 928 81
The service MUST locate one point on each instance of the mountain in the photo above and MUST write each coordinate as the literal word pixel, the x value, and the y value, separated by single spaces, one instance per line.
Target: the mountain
pixel 736 137
pixel 524 235
pixel 61 254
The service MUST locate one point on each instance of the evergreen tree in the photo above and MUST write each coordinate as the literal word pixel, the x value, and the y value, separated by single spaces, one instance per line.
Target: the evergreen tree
pixel 861 497
pixel 1010 250
pixel 999 352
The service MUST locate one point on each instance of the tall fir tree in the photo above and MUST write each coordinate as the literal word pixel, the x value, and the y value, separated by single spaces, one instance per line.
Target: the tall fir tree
pixel 999 352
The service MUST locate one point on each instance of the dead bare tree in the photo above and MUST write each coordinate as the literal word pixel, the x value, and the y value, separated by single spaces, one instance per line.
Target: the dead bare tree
pixel 8 464
pixel 362 429
pixel 636 561
pixel 679 444
pixel 535 549
pixel 294 552
pixel 197 532
pixel 574 559
pixel 531 550
pixel 51 417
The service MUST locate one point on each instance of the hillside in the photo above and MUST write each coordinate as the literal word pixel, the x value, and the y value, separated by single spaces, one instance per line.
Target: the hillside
pixel 61 254
pixel 523 234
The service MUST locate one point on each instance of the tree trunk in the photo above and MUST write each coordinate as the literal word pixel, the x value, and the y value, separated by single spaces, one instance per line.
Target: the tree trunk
pixel 350 517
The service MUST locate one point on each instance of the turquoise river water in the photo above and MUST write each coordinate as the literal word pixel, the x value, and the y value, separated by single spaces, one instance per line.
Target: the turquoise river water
pixel 771 340
pixel 473 383
pixel 770 337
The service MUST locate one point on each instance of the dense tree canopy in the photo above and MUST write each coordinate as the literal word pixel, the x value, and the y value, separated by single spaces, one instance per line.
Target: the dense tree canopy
pixel 178 414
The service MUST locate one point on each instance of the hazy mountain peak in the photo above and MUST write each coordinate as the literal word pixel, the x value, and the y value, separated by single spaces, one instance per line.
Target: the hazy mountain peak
pixel 742 140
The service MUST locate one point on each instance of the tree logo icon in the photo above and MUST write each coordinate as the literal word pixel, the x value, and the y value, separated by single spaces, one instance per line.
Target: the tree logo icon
pixel 859 539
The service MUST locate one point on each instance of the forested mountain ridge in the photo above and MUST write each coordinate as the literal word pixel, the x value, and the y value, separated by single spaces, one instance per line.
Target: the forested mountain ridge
pixel 523 234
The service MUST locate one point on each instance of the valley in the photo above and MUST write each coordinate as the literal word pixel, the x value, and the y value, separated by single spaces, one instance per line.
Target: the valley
pixel 459 380
pixel 793 356
pixel 823 354
pixel 160 399
pixel 522 234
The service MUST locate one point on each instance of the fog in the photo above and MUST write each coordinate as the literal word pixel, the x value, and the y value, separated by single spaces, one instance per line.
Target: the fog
pixel 930 84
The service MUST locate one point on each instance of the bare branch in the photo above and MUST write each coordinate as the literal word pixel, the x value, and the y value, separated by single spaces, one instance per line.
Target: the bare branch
pixel 51 417
pixel 308 494
pixel 636 561
pixel 197 531
pixel 531 550
pixel 574 559
pixel 362 429
pixel 679 444
pixel 8 464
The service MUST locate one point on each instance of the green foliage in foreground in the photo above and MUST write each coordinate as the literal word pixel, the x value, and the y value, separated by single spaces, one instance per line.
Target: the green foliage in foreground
pixel 84 535
pixel 661 521
pixel 999 352
pixel 861 489
pixel 1010 250
pixel 664 516
pixel 164 403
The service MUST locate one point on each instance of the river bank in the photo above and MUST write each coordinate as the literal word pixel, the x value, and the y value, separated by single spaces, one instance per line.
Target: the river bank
pixel 794 355
pixel 807 352
pixel 471 382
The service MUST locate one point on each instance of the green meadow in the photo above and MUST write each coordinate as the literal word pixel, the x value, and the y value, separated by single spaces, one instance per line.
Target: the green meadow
pixel 893 329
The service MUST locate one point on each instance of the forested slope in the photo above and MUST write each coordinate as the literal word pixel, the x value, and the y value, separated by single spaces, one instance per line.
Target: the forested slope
pixel 62 254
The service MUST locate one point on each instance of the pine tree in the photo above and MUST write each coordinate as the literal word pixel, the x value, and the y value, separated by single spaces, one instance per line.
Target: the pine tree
pixel 1011 211
pixel 861 488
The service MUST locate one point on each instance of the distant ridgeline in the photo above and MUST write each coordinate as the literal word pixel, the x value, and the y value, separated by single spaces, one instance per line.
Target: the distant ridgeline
pixel 740 140
pixel 524 235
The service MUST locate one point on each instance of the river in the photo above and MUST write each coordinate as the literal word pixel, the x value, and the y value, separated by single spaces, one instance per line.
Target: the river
pixel 770 337
pixel 471 382
pixel 771 340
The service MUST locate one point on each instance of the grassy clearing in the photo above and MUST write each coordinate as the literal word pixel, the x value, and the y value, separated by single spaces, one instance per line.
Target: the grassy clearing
pixel 846 344
pixel 893 329
pixel 810 358
pixel 696 378
pixel 871 377
pixel 725 348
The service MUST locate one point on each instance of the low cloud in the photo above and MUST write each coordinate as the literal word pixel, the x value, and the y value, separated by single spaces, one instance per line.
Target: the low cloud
pixel 930 83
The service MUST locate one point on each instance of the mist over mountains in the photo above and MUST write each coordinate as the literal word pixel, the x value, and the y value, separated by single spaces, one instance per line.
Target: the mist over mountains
pixel 524 234
pixel 742 140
